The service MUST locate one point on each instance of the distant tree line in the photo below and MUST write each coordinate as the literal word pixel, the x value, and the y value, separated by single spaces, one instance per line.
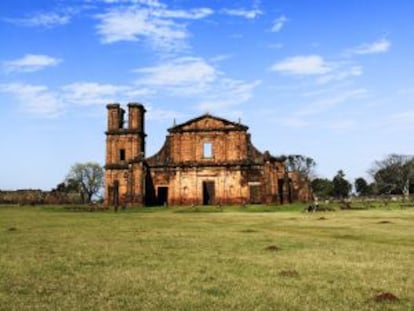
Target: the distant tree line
pixel 394 175
pixel 339 187
pixel 82 184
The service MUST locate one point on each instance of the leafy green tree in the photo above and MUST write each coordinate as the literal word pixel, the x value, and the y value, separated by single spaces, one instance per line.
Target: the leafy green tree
pixel 69 185
pixel 322 187
pixel 362 187
pixel 87 178
pixel 394 174
pixel 341 186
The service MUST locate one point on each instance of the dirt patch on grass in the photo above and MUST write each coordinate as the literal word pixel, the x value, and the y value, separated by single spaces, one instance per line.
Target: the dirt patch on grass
pixel 386 297
pixel 289 273
pixel 273 248
pixel 322 218
pixel 384 222
pixel 12 229
pixel 249 231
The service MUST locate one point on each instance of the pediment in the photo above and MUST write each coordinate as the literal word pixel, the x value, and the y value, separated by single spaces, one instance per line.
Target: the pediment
pixel 208 122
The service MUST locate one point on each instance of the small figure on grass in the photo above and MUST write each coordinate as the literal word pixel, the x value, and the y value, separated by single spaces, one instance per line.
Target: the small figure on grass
pixel 314 206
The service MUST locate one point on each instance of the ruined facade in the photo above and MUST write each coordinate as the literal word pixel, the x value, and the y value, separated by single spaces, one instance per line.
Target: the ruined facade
pixel 206 160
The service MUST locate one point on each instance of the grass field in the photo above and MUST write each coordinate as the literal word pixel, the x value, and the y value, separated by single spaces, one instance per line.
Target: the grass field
pixel 186 259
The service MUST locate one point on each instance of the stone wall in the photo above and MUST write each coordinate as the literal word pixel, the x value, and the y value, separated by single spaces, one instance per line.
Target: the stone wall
pixel 35 196
pixel 185 185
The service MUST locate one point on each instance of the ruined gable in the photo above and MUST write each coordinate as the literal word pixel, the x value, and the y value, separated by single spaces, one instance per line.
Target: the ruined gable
pixel 205 140
pixel 208 122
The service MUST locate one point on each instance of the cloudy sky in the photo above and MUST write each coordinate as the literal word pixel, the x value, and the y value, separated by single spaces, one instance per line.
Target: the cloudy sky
pixel 333 80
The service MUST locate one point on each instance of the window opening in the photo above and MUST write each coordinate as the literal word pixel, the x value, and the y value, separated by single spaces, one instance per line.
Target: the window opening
pixel 122 155
pixel 207 150
pixel 121 119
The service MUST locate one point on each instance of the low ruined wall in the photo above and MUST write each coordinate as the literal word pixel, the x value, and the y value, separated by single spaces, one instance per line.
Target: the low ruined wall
pixel 36 196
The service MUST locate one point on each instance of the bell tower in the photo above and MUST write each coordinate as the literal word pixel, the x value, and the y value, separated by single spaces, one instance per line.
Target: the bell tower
pixel 125 153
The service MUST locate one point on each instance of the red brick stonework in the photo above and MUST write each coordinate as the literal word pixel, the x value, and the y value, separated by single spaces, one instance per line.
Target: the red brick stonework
pixel 206 160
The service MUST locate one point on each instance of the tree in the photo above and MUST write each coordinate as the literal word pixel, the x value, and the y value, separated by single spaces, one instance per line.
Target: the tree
pixel 87 178
pixel 322 187
pixel 394 174
pixel 301 164
pixel 362 187
pixel 341 186
pixel 69 185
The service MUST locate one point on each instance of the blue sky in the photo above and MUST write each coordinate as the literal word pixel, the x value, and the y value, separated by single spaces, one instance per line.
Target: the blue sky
pixel 332 80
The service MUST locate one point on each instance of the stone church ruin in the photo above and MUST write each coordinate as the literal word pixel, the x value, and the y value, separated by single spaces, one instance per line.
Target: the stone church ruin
pixel 204 161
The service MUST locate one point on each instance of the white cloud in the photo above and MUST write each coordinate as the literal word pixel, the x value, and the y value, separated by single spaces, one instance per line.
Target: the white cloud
pixel 34 99
pixel 41 101
pixel 133 24
pixel 319 113
pixel 150 3
pixel 189 14
pixel 226 94
pixel 339 75
pixel 30 63
pixel 182 75
pixel 162 114
pixel 150 21
pixel 278 23
pixel 46 20
pixel 379 46
pixel 249 14
pixel 92 93
pixel 311 65
pixel 195 78
pixel 302 65
pixel 220 58
pixel 333 100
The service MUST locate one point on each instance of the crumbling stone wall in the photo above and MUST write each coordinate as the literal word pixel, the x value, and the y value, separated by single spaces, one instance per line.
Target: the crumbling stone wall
pixel 36 196
pixel 235 171
pixel 206 160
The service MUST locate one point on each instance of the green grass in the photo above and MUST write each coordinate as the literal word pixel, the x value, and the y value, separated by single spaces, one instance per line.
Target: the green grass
pixel 250 258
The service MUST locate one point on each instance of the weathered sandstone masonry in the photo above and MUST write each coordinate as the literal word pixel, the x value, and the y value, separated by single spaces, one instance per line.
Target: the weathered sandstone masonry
pixel 206 160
